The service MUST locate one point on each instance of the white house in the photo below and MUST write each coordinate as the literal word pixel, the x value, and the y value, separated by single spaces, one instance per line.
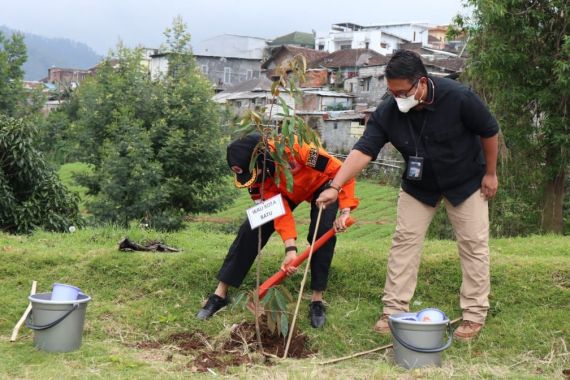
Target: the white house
pixel 384 38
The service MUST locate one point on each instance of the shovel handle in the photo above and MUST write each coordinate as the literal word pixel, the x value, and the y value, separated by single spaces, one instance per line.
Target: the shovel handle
pixel 278 277
pixel 24 316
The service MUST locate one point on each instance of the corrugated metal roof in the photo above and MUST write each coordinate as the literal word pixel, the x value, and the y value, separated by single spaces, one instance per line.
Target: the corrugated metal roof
pixel 329 93
pixel 344 115
pixel 257 84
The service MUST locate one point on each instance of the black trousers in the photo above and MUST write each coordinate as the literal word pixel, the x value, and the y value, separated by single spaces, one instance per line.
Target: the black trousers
pixel 243 251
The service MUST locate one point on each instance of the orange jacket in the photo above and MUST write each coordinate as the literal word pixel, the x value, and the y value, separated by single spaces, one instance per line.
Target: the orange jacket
pixel 311 168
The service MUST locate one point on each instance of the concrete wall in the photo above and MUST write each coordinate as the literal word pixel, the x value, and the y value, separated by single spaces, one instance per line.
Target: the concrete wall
pixel 158 67
pixel 239 69
pixel 67 77
pixel 339 136
pixel 411 32
pixel 315 102
pixel 369 86
pixel 240 105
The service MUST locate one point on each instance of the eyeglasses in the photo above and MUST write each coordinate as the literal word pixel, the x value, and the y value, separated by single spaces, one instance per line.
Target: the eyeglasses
pixel 403 94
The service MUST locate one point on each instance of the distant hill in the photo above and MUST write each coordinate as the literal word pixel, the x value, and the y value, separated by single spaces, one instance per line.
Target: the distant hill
pixel 44 53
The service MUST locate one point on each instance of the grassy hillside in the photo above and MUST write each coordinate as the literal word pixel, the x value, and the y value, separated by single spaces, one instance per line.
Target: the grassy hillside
pixel 142 297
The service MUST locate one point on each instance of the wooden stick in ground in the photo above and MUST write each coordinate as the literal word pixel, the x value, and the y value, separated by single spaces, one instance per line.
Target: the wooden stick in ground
pixel 372 350
pixel 455 320
pixel 24 316
pixel 292 328
pixel 357 354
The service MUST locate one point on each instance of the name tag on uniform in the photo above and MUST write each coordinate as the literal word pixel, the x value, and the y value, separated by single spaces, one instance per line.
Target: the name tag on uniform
pixel 415 168
pixel 265 211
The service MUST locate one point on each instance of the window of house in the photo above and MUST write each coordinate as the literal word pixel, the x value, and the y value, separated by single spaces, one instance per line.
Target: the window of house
pixel 414 40
pixel 364 84
pixel 335 125
pixel 383 45
pixel 238 103
pixel 367 45
pixel 321 47
pixel 227 75
pixel 249 75
pixel 345 47
pixel 205 69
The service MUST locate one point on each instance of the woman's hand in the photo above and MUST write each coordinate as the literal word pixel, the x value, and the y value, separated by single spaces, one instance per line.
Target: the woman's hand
pixel 340 223
pixel 286 265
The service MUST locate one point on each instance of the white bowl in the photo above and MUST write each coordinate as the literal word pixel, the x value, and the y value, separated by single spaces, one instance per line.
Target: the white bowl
pixel 431 315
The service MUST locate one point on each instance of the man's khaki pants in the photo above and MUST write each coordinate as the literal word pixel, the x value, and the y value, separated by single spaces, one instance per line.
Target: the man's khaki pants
pixel 470 221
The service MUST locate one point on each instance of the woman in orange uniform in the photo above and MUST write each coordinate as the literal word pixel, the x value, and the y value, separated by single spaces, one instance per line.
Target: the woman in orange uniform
pixel 312 169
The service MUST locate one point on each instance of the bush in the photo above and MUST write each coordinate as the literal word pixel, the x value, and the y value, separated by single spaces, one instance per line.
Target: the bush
pixel 31 194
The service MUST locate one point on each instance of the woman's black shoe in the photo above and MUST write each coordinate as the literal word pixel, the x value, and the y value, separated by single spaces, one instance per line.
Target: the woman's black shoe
pixel 212 306
pixel 317 314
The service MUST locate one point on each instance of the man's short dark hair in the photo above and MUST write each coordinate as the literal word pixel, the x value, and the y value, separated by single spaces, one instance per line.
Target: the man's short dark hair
pixel 405 64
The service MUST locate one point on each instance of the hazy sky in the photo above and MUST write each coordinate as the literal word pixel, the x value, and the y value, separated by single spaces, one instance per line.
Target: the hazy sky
pixel 101 23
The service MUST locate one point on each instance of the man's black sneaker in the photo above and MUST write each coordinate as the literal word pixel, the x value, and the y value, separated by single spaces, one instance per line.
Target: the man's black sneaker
pixel 317 314
pixel 212 306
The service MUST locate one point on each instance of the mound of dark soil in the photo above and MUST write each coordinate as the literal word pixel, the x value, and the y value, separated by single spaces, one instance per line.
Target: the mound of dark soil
pixel 273 343
pixel 238 349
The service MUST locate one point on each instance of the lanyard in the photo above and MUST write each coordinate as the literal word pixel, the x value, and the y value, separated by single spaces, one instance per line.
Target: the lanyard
pixel 421 131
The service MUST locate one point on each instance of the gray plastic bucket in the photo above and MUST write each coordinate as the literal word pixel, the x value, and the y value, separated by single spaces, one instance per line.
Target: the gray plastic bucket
pixel 418 344
pixel 57 325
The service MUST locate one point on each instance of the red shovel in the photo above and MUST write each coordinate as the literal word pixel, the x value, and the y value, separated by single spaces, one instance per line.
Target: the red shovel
pixel 278 277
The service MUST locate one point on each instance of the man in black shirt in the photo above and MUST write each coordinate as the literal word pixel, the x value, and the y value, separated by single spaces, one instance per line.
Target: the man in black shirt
pixel 449 141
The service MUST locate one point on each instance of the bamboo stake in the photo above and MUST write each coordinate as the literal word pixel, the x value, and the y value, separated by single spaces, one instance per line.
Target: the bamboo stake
pixel 24 316
pixel 292 329
pixel 357 354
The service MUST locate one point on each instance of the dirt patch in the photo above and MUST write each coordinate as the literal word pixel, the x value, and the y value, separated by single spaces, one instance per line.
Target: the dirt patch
pixel 236 348
pixel 189 341
pixel 244 335
pixel 147 345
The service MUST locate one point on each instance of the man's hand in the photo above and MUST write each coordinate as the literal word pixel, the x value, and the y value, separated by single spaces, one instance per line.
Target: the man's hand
pixel 340 223
pixel 489 186
pixel 285 266
pixel 327 197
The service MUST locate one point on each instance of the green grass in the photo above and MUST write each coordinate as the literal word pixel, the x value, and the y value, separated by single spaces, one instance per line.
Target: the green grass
pixel 66 173
pixel 148 296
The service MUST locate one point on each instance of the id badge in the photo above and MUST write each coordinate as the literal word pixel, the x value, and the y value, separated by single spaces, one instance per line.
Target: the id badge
pixel 415 168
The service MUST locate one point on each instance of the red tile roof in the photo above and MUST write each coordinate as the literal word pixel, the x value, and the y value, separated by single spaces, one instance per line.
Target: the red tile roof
pixel 290 51
pixel 351 58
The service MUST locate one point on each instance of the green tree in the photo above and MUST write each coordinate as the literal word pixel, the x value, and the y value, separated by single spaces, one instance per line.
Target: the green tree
pixel 520 61
pixel 188 136
pixel 156 145
pixel 12 57
pixel 31 195
pixel 128 179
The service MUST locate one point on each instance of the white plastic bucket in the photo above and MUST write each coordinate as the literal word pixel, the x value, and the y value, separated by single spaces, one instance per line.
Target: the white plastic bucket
pixel 418 343
pixel 64 292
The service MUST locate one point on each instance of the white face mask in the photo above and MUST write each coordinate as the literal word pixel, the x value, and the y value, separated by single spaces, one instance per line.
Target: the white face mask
pixel 406 104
